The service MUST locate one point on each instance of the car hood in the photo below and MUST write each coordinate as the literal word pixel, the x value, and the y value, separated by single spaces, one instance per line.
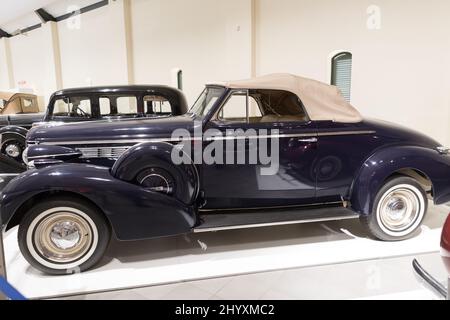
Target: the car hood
pixel 108 130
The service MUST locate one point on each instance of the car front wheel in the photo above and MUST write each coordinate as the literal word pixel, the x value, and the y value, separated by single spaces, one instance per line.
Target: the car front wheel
pixel 398 210
pixel 63 236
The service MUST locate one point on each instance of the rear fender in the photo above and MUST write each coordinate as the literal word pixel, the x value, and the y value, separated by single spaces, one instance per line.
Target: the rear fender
pixel 386 162
pixel 133 212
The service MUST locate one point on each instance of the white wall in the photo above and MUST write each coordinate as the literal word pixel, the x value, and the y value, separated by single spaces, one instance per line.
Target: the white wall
pixel 208 40
pixel 93 50
pixel 399 71
pixel 32 62
pixel 4 65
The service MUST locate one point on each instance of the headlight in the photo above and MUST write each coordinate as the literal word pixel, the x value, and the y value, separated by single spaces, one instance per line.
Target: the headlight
pixel 25 156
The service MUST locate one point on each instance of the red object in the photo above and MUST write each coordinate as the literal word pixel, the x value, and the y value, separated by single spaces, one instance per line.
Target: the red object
pixel 445 244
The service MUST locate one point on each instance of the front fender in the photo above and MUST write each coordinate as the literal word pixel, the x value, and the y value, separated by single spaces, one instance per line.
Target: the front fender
pixel 159 154
pixel 134 213
pixel 387 161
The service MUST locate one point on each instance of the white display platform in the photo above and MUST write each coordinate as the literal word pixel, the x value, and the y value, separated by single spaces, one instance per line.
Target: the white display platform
pixel 218 254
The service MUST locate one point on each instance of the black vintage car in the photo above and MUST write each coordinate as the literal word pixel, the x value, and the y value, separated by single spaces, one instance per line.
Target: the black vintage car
pixel 210 170
pixel 91 104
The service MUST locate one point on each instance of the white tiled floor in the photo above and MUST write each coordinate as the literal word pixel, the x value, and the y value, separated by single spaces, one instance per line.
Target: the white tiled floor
pixel 375 279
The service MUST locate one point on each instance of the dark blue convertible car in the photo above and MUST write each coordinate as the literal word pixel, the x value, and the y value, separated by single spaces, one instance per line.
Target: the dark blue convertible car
pixel 274 150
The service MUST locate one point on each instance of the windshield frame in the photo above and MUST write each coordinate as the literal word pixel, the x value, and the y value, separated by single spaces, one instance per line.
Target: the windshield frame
pixel 194 110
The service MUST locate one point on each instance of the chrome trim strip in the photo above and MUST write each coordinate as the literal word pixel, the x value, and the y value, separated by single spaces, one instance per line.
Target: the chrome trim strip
pixel 136 141
pixel 117 141
pixel 345 133
pixel 260 225
pixel 266 136
pixel 9 174
pixel 125 141
pixel 53 155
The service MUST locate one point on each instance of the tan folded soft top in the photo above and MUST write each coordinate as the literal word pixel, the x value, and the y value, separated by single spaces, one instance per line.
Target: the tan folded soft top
pixel 322 101
pixel 13 104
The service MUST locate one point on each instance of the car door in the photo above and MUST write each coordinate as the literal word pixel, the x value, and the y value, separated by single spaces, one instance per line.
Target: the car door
pixel 258 123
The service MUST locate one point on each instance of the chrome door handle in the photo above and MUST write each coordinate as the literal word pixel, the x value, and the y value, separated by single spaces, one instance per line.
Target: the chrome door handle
pixel 309 140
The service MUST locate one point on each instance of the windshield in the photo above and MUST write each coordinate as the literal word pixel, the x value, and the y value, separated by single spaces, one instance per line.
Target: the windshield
pixel 206 101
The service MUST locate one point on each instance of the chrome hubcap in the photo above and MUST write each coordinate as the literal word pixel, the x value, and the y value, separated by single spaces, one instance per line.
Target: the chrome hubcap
pixel 63 237
pixel 399 209
pixel 13 150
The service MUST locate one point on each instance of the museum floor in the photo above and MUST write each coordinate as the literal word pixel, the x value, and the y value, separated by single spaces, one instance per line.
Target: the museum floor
pixel 332 260
pixel 374 279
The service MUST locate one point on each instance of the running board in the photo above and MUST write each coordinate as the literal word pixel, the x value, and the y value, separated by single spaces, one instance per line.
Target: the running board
pixel 228 220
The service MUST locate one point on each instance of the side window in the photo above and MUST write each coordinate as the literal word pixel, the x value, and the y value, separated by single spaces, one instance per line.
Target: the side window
pixel 105 106
pixel 157 105
pixel 235 109
pixel 74 107
pixel 263 106
pixel 126 105
pixel 117 105
pixel 27 103
pixel 280 106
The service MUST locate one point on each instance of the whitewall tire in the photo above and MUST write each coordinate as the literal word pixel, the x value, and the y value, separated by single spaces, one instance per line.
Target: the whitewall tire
pixel 398 210
pixel 63 236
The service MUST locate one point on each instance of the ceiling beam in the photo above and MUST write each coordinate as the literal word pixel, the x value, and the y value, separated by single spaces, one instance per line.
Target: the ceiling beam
pixel 44 15
pixel 4 34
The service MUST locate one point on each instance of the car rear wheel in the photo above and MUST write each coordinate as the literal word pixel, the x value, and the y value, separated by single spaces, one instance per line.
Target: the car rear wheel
pixel 63 236
pixel 398 210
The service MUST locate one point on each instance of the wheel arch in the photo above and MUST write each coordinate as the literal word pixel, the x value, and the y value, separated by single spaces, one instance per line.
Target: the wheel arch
pixel 21 131
pixel 416 174
pixel 19 214
pixel 425 165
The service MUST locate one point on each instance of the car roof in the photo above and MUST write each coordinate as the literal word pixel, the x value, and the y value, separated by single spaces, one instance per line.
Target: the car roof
pixel 322 101
pixel 115 89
